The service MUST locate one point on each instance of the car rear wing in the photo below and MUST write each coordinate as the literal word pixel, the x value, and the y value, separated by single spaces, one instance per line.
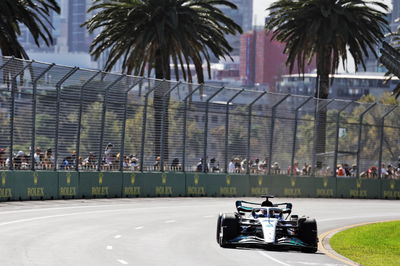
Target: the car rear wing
pixel 241 208
pixel 286 207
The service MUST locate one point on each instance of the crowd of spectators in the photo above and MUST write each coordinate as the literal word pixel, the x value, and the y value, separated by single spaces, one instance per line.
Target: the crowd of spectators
pixel 110 161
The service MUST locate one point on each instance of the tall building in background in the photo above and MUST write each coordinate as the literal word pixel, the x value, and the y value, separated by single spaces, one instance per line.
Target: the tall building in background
pixel 242 16
pixel 77 41
pixel 395 15
pixel 262 61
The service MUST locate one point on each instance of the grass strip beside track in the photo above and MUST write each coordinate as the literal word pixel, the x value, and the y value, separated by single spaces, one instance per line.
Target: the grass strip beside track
pixel 374 244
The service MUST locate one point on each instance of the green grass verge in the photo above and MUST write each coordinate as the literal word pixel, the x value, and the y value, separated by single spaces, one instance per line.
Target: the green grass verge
pixel 374 244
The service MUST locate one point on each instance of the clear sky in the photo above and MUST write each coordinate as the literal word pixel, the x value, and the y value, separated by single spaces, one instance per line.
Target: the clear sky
pixel 261 5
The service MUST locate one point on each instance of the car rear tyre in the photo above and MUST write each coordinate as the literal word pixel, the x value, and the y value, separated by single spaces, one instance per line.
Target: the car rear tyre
pixel 228 230
pixel 219 226
pixel 308 234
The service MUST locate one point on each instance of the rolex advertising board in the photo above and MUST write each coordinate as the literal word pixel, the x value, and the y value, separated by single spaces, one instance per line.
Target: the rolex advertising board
pixel 68 184
pixel 6 185
pixel 172 185
pixel 359 188
pixel 259 185
pixel 35 185
pixel 390 189
pixel 100 184
pixel 137 185
pixel 325 187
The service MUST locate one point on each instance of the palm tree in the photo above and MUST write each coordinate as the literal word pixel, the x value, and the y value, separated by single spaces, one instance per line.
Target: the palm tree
pixel 34 14
pixel 326 30
pixel 152 34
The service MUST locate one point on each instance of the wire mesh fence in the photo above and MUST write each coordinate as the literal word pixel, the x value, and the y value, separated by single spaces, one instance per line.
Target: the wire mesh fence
pixel 64 118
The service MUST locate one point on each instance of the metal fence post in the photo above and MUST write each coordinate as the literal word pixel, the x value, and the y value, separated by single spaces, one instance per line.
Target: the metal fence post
pixel 146 102
pixel 296 121
pixel 382 129
pixel 58 88
pixel 78 134
pixel 227 127
pixel 249 128
pixel 359 136
pixel 122 151
pixel 206 128
pixel 316 122
pixel 103 118
pixel 335 158
pixel 162 141
pixel 12 115
pixel 273 128
pixel 34 102
pixel 185 125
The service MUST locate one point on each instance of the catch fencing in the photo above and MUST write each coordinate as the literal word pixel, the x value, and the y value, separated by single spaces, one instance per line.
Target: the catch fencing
pixel 67 118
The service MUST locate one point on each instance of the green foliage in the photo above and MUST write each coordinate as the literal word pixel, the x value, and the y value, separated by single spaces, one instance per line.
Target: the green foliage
pixel 34 14
pixel 327 28
pixel 375 244
pixel 148 34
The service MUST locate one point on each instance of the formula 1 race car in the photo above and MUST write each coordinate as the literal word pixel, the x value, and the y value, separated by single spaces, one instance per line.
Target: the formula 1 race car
pixel 266 225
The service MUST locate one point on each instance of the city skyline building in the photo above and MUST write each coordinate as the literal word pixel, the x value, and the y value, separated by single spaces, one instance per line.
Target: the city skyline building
pixel 243 16
pixel 262 60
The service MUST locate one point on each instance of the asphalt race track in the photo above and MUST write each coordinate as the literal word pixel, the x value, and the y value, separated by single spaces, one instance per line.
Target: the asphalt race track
pixel 156 231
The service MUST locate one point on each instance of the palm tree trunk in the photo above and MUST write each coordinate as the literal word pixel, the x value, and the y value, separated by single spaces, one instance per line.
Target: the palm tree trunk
pixel 321 93
pixel 160 104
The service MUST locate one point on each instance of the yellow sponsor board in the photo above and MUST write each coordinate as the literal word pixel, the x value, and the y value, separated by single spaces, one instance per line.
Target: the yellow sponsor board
pixel 99 191
pixel 5 193
pixel 292 192
pixel 67 191
pixel 164 190
pixel 228 191
pixel 258 191
pixel 35 191
pixel 132 191
pixel 391 194
pixel 358 193
pixel 324 192
pixel 196 191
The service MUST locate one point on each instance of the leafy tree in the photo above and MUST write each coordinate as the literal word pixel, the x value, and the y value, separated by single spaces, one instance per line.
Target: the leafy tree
pixel 152 34
pixel 34 14
pixel 326 30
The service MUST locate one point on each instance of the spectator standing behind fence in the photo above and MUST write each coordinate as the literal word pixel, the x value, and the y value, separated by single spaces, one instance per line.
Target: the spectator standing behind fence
pixel 295 170
pixel 340 172
pixel 108 155
pixel 231 166
pixel 214 166
pixel 275 168
pixel 3 158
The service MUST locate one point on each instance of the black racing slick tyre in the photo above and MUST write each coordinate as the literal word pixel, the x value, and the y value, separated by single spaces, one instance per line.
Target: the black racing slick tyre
pixel 308 233
pixel 219 226
pixel 228 230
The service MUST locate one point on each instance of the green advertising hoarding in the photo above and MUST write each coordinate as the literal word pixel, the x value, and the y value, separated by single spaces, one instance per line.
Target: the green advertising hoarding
pixel 358 188
pixel 390 189
pixel 216 185
pixel 35 185
pixel 6 186
pixel 68 185
pixel 100 184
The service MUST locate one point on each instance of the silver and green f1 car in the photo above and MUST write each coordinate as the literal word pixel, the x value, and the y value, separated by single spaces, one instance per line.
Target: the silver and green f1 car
pixel 266 225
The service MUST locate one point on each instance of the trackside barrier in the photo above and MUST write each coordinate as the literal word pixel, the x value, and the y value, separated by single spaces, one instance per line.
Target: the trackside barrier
pixel 216 185
pixel 35 185
pixel 68 185
pixel 100 185
pixel 7 190
pixel 43 185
